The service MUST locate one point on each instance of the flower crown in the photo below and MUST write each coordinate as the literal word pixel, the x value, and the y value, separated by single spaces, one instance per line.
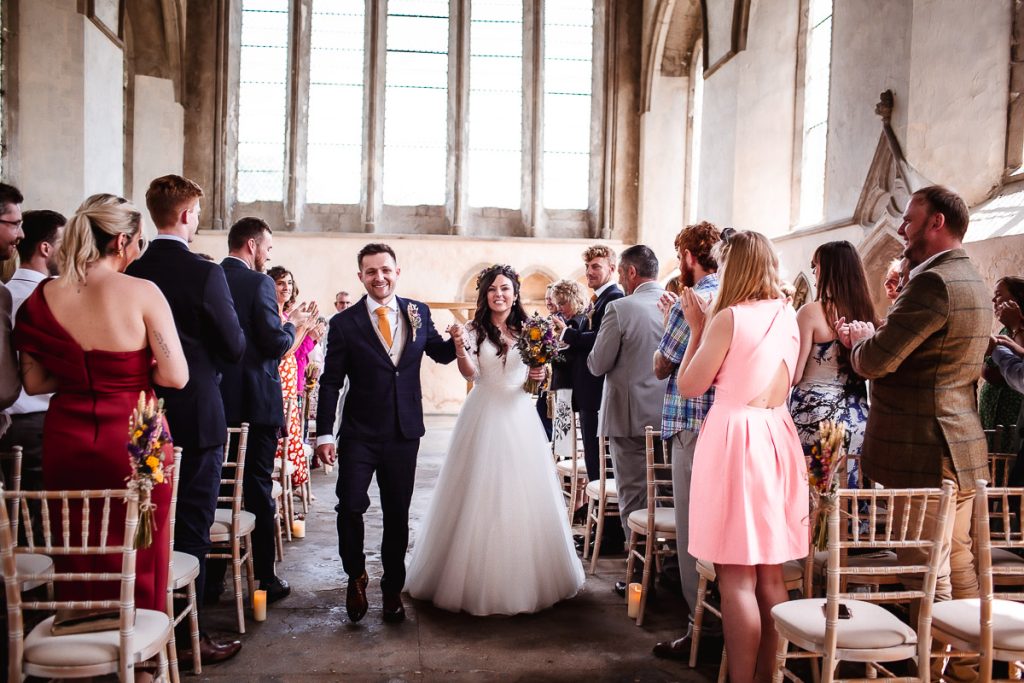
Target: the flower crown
pixel 499 269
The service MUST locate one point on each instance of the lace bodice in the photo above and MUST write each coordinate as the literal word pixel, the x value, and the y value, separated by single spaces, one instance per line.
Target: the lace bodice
pixel 491 369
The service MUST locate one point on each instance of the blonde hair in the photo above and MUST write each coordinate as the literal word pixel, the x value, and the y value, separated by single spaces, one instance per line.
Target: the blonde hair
pixel 568 292
pixel 749 270
pixel 95 226
pixel 599 251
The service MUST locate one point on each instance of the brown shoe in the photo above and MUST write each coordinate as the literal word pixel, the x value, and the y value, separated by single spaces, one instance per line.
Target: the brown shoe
pixel 678 649
pixel 210 652
pixel 355 602
pixel 394 610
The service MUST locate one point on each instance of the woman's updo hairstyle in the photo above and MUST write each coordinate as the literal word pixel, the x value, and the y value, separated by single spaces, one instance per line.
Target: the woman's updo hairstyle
pixel 92 233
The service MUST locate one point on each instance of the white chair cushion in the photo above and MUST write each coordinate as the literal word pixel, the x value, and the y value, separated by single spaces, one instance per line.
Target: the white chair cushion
pixel 880 558
pixel 1003 559
pixel 84 649
pixel 275 489
pixel 34 565
pixel 564 469
pixel 221 529
pixel 962 618
pixel 186 569
pixel 611 491
pixel 664 520
pixel 870 626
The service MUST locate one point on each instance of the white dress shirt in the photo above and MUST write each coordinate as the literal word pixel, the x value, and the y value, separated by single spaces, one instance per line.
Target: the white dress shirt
pixel 21 285
pixel 176 238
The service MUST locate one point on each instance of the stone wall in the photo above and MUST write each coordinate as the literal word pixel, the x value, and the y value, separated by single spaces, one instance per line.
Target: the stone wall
pixel 158 135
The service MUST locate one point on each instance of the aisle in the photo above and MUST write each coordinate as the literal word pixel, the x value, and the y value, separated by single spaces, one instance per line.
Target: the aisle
pixel 307 636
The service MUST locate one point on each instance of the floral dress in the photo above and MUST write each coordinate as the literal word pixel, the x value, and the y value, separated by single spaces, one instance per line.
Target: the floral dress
pixel 825 392
pixel 292 440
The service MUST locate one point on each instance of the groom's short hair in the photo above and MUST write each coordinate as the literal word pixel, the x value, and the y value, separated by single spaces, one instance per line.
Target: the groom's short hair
pixel 246 229
pixel 375 248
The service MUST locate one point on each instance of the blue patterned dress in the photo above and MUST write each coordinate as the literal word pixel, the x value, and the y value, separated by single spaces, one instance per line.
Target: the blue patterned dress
pixel 827 393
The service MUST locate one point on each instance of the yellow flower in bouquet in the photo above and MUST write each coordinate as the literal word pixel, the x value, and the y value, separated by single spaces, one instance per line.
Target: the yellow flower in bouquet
pixel 147 437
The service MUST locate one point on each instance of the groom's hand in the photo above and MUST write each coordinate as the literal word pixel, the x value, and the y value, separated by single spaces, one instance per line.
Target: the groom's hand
pixel 327 453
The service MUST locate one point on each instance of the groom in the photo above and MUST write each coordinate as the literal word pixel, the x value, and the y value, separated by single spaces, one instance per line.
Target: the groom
pixel 378 344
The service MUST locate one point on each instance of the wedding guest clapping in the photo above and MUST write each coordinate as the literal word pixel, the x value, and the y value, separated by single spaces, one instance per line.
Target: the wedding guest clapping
pixel 252 389
pixel 999 404
pixel 96 332
pixel 748 496
pixel 681 418
pixel 827 388
pixel 293 374
pixel 567 297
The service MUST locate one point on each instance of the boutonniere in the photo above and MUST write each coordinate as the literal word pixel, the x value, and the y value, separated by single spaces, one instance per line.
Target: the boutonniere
pixel 589 313
pixel 413 311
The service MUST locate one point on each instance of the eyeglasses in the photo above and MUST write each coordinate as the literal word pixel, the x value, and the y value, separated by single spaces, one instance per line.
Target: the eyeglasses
pixel 142 244
pixel 13 224
pixel 727 234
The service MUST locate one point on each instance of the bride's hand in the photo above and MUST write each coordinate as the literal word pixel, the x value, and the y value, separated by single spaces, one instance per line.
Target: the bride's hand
pixel 455 330
pixel 538 373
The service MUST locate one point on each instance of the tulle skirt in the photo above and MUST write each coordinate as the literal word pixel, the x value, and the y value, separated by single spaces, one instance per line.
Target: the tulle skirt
pixel 496 539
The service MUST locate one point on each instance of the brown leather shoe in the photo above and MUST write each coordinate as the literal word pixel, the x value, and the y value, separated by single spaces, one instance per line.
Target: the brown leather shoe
pixel 210 652
pixel 355 602
pixel 394 610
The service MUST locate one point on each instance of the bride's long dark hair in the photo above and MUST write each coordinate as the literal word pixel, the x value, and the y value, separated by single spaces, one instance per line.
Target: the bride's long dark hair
pixel 482 317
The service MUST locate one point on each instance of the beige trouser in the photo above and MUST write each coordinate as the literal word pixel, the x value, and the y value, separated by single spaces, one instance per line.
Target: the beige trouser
pixel 957 575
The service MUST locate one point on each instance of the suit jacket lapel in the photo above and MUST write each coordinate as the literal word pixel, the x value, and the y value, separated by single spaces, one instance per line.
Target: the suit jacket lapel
pixel 368 332
pixel 403 313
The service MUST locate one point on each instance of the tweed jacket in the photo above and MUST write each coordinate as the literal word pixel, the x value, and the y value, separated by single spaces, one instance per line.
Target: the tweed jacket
pixel 924 364
pixel 630 334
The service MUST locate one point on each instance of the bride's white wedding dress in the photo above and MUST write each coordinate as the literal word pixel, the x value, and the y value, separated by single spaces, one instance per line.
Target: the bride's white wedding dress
pixel 496 539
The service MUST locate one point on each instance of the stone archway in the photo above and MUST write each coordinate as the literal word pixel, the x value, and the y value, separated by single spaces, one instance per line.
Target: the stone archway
pixel 877 251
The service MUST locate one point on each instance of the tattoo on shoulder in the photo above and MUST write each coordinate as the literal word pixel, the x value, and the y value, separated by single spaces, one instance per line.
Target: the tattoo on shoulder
pixel 162 344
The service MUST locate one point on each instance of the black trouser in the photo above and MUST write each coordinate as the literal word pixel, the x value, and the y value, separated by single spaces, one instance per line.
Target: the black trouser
pixel 613 533
pixel 26 430
pixel 394 463
pixel 198 485
pixel 257 486
pixel 542 412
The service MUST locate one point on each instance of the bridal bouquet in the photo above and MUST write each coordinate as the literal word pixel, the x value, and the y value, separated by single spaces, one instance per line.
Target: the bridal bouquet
pixel 826 460
pixel 538 346
pixel 147 437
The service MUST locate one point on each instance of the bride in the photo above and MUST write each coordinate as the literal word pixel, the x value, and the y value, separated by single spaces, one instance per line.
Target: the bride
pixel 495 539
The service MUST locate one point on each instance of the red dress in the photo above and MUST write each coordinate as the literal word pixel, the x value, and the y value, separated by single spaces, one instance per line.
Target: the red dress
pixel 85 439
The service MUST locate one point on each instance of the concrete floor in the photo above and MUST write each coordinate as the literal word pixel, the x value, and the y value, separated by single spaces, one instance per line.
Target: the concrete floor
pixel 307 637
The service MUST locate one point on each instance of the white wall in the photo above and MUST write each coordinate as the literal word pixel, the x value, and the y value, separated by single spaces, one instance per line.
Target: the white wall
pixel 159 136
pixel 70 135
pixel 663 167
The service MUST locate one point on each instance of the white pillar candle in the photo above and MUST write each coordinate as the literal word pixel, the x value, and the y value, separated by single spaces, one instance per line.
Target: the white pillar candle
pixel 633 600
pixel 299 528
pixel 259 605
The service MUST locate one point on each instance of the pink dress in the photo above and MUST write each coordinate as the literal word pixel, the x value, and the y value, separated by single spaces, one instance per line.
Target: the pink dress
pixel 748 496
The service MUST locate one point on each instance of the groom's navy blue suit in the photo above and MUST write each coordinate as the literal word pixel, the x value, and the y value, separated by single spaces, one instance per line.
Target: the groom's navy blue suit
pixel 381 426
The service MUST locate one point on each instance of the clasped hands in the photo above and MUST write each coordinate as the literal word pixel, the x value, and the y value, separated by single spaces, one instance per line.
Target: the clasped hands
pixel 304 315
pixel 850 333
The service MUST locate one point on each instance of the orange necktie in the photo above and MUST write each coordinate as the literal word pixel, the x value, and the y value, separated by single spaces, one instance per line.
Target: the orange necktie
pixel 593 298
pixel 383 325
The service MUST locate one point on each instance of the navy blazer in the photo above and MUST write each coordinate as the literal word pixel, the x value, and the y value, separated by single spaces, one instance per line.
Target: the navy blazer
pixel 384 400
pixel 252 388
pixel 204 315
pixel 586 388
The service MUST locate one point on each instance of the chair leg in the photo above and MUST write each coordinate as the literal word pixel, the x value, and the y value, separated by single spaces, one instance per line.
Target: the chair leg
pixel 236 577
pixel 162 661
pixel 698 620
pixel 631 559
pixel 193 621
pixel 598 536
pixel 645 582
pixel 172 654
pixel 828 667
pixel 723 668
pixel 780 660
pixel 278 534
pixel 249 575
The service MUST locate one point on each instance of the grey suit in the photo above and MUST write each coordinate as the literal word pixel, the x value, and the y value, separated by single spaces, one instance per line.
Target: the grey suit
pixel 630 334
pixel 10 378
